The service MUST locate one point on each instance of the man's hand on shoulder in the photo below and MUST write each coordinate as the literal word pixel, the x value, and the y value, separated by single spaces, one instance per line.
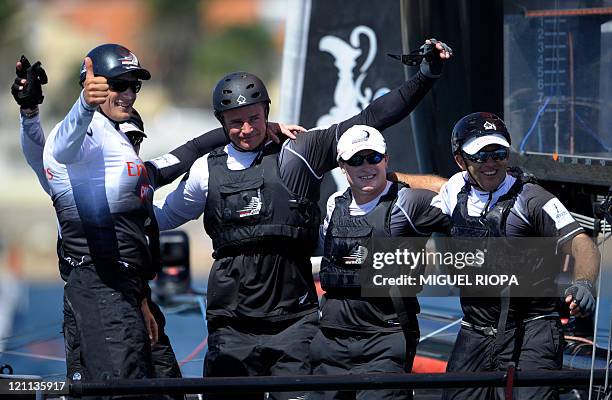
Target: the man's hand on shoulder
pixel 275 131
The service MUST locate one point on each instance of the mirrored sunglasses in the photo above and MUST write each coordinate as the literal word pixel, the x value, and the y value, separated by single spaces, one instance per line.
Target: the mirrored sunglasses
pixel 372 159
pixel 482 156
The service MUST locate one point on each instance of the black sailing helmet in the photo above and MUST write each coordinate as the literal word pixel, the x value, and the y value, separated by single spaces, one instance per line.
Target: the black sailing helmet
pixel 239 89
pixel 111 60
pixel 475 125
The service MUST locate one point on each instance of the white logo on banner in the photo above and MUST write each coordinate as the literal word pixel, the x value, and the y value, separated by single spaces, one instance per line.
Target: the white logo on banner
pixel 349 99
pixel 348 96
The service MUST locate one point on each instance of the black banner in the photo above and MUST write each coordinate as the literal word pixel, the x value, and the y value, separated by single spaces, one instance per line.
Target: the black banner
pixel 347 67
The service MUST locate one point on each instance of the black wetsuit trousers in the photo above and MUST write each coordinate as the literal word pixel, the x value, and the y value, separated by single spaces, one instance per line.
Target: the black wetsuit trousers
pixel 239 348
pixel 338 352
pixel 104 330
pixel 541 348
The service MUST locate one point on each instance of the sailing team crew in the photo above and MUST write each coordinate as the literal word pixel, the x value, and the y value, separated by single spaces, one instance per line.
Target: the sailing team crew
pixel 259 201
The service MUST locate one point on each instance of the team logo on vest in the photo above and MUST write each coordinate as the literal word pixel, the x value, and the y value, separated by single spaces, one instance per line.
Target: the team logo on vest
pixel 253 208
pixel 489 125
pixel 357 256
pixel 241 100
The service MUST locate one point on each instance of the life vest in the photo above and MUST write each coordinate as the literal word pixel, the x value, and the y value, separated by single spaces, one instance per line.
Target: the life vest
pixel 253 210
pixel 347 237
pixel 493 222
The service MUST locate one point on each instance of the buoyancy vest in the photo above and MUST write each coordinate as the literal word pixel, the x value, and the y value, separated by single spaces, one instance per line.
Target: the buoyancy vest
pixel 491 223
pixel 345 245
pixel 253 210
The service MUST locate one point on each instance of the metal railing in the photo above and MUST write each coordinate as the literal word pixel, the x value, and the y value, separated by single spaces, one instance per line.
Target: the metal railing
pixel 566 379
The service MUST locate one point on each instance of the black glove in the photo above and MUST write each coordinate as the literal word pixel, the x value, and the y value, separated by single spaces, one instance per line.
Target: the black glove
pixel 582 296
pixel 432 64
pixel 30 95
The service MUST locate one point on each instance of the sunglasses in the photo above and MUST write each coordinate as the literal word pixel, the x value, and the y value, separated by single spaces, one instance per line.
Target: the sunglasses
pixel 482 156
pixel 121 85
pixel 135 138
pixel 372 159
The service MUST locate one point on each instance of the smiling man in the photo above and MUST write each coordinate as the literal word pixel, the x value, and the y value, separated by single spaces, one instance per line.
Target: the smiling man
pixel 488 200
pixel 102 196
pixel 365 334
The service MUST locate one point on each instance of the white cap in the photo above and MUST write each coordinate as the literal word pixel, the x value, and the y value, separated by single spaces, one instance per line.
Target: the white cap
pixel 473 145
pixel 360 137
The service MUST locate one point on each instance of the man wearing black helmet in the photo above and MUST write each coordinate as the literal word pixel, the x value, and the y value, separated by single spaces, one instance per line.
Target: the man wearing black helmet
pixel 259 202
pixel 27 91
pixel 488 200
pixel 102 193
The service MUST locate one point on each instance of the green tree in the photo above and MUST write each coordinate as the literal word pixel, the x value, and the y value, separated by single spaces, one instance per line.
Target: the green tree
pixel 237 48
pixel 174 31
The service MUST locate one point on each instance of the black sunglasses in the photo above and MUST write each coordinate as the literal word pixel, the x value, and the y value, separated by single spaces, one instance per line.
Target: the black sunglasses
pixel 482 156
pixel 121 85
pixel 372 159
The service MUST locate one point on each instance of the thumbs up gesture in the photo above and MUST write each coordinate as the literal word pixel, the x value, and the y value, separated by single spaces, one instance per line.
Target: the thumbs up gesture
pixel 95 88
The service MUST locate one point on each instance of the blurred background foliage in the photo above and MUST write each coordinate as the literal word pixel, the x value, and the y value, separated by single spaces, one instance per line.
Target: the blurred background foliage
pixel 237 48
pixel 186 55
pixel 188 45
pixel 191 58
pixel 7 9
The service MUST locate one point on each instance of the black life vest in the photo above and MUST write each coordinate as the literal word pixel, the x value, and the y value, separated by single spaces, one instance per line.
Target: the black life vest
pixel 347 238
pixel 503 256
pixel 491 223
pixel 253 210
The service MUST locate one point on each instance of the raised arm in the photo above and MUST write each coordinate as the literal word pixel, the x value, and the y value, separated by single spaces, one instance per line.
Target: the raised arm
pixel 70 136
pixel 27 92
pixel 165 169
pixel 391 108
pixel 32 140
pixel 318 147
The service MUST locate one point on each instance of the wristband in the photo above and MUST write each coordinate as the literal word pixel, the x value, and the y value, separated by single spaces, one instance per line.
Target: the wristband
pixel 585 282
pixel 29 112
